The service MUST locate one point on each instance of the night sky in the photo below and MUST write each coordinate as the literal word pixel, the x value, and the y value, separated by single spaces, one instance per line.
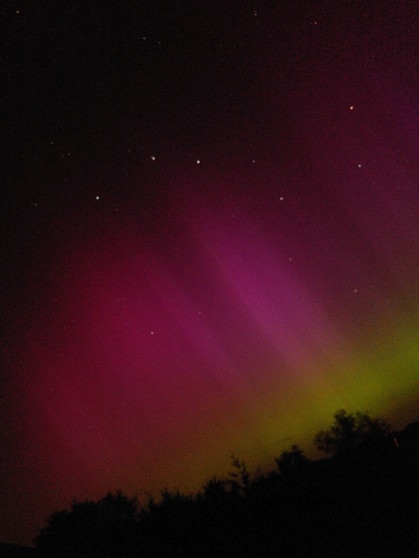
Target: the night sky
pixel 209 238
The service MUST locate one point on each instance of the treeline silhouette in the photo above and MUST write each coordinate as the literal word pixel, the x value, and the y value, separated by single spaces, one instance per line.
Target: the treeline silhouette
pixel 361 500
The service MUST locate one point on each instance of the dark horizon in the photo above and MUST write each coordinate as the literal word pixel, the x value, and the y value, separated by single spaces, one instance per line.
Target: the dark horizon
pixel 360 497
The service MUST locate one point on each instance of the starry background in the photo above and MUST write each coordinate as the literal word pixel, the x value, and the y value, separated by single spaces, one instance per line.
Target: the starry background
pixel 210 238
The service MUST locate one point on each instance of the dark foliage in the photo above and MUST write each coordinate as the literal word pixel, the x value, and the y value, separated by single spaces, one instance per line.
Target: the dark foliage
pixel 107 528
pixel 291 461
pixel 351 432
pixel 15 551
pixel 363 503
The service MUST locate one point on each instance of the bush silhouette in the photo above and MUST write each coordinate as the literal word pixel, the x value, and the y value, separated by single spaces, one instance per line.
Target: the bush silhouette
pixel 350 432
pixel 291 460
pixel 105 528
pixel 362 504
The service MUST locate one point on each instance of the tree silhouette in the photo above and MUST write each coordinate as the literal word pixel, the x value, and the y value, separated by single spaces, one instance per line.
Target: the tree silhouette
pixel 351 431
pixel 240 478
pixel 105 528
pixel 216 490
pixel 291 460
pixel 366 500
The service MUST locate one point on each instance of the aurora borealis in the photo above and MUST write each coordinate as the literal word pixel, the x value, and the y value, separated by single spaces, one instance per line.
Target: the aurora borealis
pixel 217 266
